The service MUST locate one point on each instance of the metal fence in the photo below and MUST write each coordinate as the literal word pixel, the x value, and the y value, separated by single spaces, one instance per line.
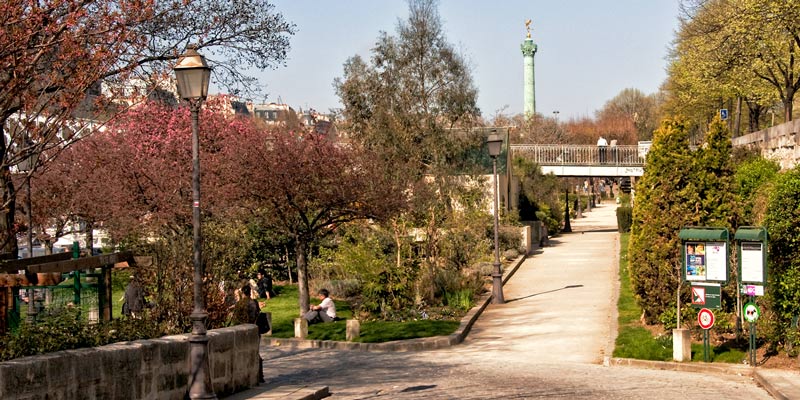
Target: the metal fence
pixel 557 154
pixel 49 299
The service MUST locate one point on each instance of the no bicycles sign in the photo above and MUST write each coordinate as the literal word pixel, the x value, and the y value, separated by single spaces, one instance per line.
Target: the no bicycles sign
pixel 705 318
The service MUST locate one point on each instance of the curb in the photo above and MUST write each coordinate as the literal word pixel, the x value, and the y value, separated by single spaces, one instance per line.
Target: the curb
pixel 731 369
pixel 263 392
pixel 420 344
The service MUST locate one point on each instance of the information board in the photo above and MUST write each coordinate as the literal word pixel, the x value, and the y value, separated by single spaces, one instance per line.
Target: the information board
pixel 752 262
pixel 706 261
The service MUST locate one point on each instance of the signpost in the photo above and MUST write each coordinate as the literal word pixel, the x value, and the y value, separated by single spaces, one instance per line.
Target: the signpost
pixel 704 254
pixel 706 295
pixel 705 265
pixel 723 114
pixel 706 320
pixel 751 250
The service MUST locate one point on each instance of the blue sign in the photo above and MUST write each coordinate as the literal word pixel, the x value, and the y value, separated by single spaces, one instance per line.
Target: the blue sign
pixel 723 114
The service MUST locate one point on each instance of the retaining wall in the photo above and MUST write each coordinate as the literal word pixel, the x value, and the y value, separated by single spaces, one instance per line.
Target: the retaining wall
pixel 144 369
pixel 780 143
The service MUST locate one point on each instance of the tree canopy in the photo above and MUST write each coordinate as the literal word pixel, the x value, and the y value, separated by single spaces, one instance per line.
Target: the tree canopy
pixel 65 63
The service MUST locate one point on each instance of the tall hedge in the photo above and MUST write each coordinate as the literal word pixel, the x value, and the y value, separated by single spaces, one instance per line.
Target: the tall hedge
pixel 783 224
pixel 666 199
pixel 715 184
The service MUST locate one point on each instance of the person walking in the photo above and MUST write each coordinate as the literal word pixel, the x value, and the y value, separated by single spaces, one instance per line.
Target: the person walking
pixel 133 299
pixel 246 311
pixel 264 283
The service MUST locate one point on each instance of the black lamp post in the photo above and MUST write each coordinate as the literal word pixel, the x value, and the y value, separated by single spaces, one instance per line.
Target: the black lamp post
pixel 193 74
pixel 27 166
pixel 495 144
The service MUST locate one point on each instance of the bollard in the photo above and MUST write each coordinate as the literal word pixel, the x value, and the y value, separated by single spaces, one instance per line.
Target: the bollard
pixel 353 330
pixel 300 328
pixel 269 322
pixel 681 345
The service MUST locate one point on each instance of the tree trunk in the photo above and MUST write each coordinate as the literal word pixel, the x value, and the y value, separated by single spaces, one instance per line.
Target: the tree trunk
pixel 787 105
pixel 89 238
pixel 8 237
pixel 300 248
pixel 738 122
pixel 754 115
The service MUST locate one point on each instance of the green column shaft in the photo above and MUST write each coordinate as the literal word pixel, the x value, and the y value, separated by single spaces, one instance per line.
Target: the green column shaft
pixel 529 89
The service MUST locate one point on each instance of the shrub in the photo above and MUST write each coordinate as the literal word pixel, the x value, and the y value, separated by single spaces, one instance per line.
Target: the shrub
pixel 64 329
pixel 509 237
pixel 624 219
pixel 783 224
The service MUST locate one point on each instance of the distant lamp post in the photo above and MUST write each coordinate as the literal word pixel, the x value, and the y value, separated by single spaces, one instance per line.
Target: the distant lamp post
pixel 495 144
pixel 567 226
pixel 193 74
pixel 26 166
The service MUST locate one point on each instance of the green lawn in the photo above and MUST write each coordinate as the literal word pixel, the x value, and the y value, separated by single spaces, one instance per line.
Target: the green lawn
pixel 285 309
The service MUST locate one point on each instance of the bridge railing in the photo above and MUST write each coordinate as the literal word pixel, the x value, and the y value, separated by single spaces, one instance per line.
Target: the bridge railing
pixel 557 154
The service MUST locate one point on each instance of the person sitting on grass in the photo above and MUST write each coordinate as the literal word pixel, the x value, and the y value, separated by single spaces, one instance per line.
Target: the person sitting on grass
pixel 324 312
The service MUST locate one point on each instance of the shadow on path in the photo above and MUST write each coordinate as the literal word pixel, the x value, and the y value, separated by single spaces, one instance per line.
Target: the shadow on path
pixel 549 291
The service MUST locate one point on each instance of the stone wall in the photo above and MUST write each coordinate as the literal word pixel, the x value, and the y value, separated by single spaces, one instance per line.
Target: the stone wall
pixel 780 143
pixel 144 369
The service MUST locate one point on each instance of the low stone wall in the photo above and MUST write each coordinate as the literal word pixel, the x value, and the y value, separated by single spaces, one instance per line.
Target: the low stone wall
pixel 780 143
pixel 144 369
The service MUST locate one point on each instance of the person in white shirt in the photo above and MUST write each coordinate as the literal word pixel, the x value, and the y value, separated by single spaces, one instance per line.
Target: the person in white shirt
pixel 601 145
pixel 324 312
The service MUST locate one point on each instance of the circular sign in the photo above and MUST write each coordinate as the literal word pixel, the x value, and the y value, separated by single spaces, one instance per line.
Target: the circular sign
pixel 751 312
pixel 705 318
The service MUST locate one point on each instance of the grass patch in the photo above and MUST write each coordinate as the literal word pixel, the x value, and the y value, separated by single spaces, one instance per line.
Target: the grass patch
pixel 633 340
pixel 284 308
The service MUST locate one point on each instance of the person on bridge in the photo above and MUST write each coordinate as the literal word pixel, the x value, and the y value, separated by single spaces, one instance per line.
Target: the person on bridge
pixel 614 157
pixel 602 144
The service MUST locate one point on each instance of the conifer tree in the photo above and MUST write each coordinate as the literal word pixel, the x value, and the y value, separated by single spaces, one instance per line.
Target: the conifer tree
pixel 666 199
pixel 716 178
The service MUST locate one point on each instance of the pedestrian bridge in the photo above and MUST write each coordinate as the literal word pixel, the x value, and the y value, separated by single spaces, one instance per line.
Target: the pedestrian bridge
pixel 585 160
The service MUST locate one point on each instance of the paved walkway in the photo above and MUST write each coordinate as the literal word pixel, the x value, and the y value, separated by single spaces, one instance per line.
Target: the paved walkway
pixel 561 302
pixel 550 339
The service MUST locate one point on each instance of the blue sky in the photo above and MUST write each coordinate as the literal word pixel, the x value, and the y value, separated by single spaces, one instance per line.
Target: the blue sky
pixel 588 50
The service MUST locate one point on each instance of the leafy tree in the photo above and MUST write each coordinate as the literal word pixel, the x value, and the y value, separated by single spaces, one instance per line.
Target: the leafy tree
pixel 134 178
pixel 404 103
pixel 667 199
pixel 61 51
pixel 304 186
pixel 744 47
pixel 415 87
pixel 634 111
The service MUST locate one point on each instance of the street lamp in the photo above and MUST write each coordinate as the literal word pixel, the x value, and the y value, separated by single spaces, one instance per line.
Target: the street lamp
pixel 26 166
pixel 495 143
pixel 192 74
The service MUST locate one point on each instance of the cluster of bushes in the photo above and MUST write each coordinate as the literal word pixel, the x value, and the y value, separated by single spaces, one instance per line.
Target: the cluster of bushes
pixel 714 186
pixel 400 277
pixel 65 329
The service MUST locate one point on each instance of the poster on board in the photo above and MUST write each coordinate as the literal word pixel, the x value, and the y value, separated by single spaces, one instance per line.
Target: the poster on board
pixel 706 261
pixel 752 262
pixel 695 261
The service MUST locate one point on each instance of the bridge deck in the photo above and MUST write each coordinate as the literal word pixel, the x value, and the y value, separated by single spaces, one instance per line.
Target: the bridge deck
pixel 585 160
